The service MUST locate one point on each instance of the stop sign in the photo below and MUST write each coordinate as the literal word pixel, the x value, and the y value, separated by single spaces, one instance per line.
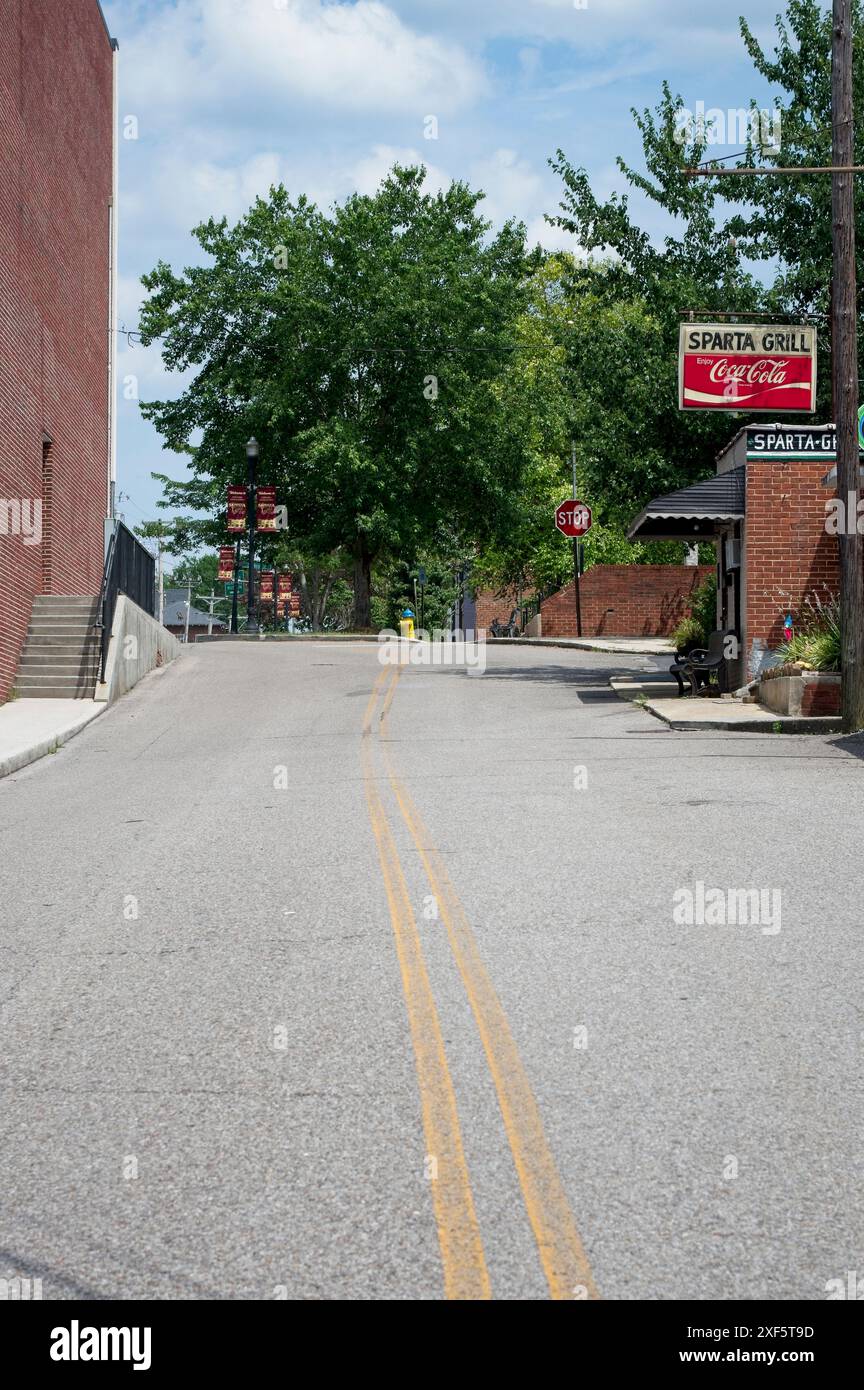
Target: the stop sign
pixel 573 517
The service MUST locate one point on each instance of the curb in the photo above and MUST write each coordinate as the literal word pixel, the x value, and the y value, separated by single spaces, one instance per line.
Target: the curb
pixel 285 637
pixel 789 724
pixel 14 762
pixel 823 724
pixel 580 644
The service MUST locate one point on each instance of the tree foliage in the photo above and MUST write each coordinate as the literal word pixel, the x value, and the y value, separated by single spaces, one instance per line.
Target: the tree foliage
pixel 362 349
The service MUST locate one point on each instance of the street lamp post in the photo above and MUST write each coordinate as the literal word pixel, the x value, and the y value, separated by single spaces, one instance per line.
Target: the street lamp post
pixel 235 595
pixel 252 452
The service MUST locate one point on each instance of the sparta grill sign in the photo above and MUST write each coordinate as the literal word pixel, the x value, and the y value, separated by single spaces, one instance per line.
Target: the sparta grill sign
pixel 750 367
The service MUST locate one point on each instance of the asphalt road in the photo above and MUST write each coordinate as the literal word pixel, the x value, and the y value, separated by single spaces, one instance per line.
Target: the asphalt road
pixel 323 982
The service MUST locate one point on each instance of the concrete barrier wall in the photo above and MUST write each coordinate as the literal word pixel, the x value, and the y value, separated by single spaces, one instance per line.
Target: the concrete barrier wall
pixel 138 644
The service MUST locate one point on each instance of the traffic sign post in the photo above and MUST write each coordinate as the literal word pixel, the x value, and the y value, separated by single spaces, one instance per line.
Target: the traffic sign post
pixel 574 518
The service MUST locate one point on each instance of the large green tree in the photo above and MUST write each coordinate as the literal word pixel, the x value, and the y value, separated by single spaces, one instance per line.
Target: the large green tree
pixel 631 310
pixel 787 218
pixel 727 227
pixel 362 349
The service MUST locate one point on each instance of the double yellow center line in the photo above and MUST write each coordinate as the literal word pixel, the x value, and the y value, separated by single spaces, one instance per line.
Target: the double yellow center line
pixel 562 1255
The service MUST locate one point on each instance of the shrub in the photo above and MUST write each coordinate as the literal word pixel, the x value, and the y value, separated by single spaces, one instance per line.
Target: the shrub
pixel 695 630
pixel 688 634
pixel 815 643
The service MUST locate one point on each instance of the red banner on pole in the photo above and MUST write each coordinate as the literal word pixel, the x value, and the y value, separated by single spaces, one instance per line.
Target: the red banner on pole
pixel 236 509
pixel 226 562
pixel 286 583
pixel 267 580
pixel 266 509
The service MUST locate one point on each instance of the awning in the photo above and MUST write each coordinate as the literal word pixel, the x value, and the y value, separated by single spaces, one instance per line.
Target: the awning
pixel 694 511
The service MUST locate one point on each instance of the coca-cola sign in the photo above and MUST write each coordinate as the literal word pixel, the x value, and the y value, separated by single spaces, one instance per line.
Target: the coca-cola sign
pixel 747 367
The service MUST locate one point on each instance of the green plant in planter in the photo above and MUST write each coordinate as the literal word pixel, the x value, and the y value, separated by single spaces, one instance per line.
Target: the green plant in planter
pixel 815 644
pixel 688 634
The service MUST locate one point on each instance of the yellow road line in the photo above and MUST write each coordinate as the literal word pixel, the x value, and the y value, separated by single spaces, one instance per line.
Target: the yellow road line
pixel 562 1254
pixel 465 1273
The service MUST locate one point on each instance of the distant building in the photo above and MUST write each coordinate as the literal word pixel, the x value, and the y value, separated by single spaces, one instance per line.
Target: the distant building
pixel 57 258
pixel 199 619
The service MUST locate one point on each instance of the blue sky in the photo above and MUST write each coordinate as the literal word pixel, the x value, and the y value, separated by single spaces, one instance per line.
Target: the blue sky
pixel 226 97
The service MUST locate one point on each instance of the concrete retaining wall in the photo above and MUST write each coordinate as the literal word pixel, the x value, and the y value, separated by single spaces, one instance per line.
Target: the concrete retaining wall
pixel 812 693
pixel 138 644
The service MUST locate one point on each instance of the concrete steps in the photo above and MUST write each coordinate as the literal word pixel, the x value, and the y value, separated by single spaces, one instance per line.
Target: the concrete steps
pixel 62 651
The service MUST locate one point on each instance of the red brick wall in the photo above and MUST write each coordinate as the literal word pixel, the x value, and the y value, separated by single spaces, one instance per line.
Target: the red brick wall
pixel 787 550
pixel 819 699
pixel 625 601
pixel 490 606
pixel 55 188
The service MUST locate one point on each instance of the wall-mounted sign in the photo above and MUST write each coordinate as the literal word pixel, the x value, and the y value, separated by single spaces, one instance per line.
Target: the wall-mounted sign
pixel 266 509
pixel 748 367
pixel 226 562
pixel 236 509
pixel 793 442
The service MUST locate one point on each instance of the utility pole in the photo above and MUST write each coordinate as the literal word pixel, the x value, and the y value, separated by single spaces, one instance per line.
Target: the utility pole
pixel 844 362
pixel 211 600
pixel 576 549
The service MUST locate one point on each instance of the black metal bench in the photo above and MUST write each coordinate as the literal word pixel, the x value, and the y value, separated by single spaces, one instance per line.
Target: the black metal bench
pixel 508 629
pixel 699 664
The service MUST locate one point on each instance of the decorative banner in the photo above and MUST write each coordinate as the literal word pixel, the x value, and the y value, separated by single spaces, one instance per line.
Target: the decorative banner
pixel 226 562
pixel 267 581
pixel 236 509
pixel 748 367
pixel 285 583
pixel 266 509
pixel 294 605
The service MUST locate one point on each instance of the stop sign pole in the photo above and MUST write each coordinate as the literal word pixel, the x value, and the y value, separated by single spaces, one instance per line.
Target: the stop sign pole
pixel 573 518
pixel 576 549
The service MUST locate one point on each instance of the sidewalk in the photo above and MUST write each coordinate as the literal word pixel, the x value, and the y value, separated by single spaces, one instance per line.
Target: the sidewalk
pixel 649 646
pixel 658 695
pixel 31 728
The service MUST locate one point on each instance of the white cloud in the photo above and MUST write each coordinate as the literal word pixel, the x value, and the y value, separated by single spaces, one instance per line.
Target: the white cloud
pixel 551 238
pixel 366 175
pixel 513 186
pixel 670 25
pixel 230 55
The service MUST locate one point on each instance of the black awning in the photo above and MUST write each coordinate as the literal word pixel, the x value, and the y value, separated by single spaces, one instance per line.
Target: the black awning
pixel 694 511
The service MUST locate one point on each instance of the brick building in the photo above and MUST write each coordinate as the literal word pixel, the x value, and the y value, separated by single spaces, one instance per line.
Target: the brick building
pixel 57 259
pixel 766 509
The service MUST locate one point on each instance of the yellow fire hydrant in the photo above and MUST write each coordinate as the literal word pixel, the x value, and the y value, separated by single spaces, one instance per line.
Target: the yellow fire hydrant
pixel 406 624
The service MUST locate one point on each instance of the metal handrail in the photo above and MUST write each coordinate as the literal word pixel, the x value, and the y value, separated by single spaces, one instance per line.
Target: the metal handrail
pixel 103 619
pixel 129 569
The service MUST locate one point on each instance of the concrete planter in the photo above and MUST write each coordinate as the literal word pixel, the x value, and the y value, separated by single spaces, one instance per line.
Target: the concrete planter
pixel 804 694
